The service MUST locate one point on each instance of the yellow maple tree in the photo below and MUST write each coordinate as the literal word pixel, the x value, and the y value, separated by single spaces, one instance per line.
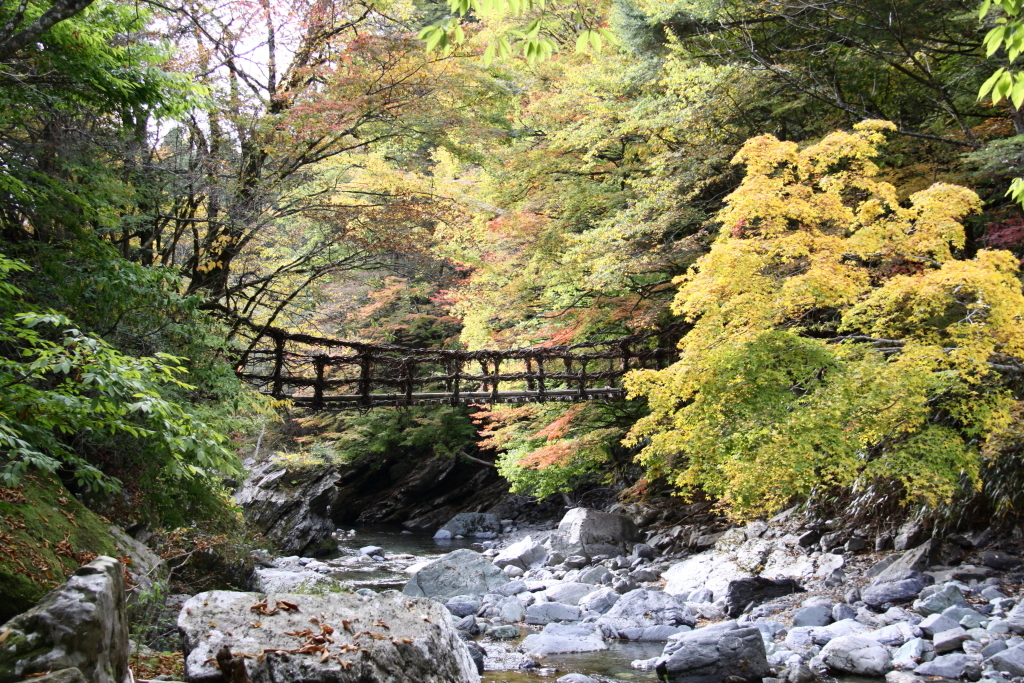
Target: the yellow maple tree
pixel 840 336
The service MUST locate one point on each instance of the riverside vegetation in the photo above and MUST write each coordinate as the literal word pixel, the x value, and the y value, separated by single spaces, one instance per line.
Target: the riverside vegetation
pixel 823 196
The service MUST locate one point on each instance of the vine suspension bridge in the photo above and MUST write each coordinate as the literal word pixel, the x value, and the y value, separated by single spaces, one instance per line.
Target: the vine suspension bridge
pixel 333 374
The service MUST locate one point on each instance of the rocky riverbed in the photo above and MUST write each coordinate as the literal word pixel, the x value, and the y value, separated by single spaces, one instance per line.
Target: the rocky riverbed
pixel 790 600
pixel 780 600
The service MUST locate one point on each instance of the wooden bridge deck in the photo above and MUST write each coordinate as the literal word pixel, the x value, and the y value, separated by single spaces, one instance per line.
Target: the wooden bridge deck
pixel 333 374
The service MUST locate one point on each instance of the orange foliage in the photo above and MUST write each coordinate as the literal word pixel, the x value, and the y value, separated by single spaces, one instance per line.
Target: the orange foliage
pixel 551 454
pixel 492 420
pixel 560 427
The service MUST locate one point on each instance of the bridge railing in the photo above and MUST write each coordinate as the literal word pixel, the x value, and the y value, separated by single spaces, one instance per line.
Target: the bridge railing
pixel 332 374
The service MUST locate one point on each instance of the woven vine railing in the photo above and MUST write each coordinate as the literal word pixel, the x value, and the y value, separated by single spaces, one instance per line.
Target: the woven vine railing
pixel 333 374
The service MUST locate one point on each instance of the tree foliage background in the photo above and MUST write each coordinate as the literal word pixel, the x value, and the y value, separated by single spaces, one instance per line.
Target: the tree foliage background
pixel 178 177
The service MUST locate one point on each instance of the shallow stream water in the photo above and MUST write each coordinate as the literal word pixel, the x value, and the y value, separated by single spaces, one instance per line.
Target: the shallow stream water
pixel 404 549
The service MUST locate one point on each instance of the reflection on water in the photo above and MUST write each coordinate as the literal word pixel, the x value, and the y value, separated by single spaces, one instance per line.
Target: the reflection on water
pixel 401 549
pixel 396 541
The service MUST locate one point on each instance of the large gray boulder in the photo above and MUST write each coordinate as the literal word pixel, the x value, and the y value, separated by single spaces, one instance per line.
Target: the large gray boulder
pixel 146 566
pixel 601 600
pixel 547 612
pixel 952 666
pixel 80 625
pixel 72 675
pixel 857 655
pixel 643 608
pixel 944 598
pixel 569 593
pixel 1016 618
pixel 511 610
pixel 713 654
pixel 707 571
pixel 917 560
pixel 291 508
pixel 595 575
pixel 561 638
pixel 591 532
pixel 1010 661
pixel 894 586
pixel 335 638
pixel 524 554
pixel 462 572
pixel 478 524
pixel 740 593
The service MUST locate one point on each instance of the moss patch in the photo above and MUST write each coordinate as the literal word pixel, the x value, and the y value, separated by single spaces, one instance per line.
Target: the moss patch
pixel 45 535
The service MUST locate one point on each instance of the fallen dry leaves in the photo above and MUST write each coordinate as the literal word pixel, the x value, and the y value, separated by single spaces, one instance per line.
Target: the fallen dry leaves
pixel 316 641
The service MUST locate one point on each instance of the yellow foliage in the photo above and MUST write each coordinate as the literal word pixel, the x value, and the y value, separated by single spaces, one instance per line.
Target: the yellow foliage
pixel 837 337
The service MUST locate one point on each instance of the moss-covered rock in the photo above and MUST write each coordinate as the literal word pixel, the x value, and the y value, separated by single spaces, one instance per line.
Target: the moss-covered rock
pixel 45 535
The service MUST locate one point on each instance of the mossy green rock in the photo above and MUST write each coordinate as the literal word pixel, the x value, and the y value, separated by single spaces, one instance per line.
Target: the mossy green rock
pixel 42 527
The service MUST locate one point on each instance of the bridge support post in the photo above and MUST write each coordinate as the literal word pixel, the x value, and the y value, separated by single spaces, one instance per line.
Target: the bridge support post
pixel 494 383
pixel 456 376
pixel 278 384
pixel 318 387
pixel 542 391
pixel 365 363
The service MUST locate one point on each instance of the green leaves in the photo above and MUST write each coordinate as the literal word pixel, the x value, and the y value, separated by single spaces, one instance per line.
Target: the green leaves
pixel 1008 35
pixel 491 8
pixel 1005 83
pixel 1016 191
pixel 443 35
pixel 57 381
pixel 532 41
pixel 595 38
pixel 1011 7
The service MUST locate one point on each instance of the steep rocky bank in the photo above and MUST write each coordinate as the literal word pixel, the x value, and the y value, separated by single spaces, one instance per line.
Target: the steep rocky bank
pixel 298 508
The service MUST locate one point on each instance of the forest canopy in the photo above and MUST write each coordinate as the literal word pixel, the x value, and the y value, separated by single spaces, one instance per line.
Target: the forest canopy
pixel 814 192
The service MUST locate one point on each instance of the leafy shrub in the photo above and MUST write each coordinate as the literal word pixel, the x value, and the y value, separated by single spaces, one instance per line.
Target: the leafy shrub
pixel 108 420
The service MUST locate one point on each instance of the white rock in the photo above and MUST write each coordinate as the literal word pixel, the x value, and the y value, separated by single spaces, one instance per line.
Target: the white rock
pixel 911 654
pixel 947 641
pixel 286 581
pixel 702 571
pixel 894 634
pixel 846 627
pixel 458 573
pixel 857 655
pixel 561 638
pixel 511 610
pixel 936 623
pixel 600 600
pixel 524 554
pixel 569 593
pixel 546 612
pixel 421 643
